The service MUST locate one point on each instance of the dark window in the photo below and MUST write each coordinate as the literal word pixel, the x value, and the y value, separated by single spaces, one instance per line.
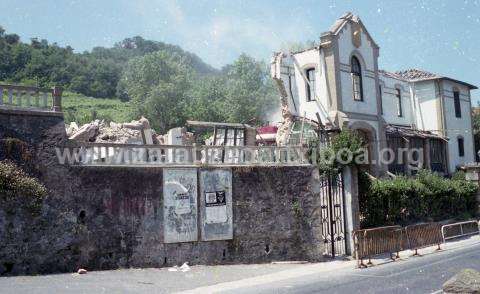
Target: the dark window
pixel 311 84
pixel 438 155
pixel 456 101
pixel 461 148
pixel 417 157
pixel 357 79
pixel 397 163
pixel 398 94
pixel 381 99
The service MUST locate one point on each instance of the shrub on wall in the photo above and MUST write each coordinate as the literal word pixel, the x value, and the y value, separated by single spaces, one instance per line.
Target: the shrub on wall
pixel 332 158
pixel 19 189
pixel 404 200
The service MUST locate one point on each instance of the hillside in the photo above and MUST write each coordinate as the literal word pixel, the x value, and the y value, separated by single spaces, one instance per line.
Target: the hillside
pixel 95 73
pixel 138 77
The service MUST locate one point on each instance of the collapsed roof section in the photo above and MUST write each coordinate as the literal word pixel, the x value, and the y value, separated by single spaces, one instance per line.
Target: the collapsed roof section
pixel 406 131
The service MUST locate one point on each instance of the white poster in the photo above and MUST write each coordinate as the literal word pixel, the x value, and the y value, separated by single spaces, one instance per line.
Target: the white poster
pixel 216 204
pixel 180 205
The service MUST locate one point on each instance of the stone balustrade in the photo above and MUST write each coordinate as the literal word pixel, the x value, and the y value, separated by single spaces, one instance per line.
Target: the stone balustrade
pixel 27 97
pixel 112 154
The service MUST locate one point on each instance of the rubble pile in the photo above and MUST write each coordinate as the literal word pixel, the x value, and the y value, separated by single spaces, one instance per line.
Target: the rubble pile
pixel 134 132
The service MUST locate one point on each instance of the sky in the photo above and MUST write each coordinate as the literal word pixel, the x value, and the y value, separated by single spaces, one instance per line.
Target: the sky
pixel 441 36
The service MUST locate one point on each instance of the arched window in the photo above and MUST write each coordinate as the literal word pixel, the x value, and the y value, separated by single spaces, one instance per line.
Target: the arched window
pixel 461 148
pixel 456 102
pixel 311 84
pixel 357 79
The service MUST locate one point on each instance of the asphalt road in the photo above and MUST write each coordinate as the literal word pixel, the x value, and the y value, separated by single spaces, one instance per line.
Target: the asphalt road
pixel 424 274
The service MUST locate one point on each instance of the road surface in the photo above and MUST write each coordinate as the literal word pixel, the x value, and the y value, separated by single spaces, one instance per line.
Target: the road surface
pixel 424 274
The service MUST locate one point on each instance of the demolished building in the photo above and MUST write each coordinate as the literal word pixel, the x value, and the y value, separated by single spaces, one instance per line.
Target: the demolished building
pixel 339 85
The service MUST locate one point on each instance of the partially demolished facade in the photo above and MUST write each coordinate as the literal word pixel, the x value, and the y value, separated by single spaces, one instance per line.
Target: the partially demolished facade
pixel 338 84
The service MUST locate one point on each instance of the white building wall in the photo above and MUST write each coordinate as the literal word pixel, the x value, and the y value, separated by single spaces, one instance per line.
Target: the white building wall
pixel 427 106
pixel 366 57
pixel 389 101
pixel 458 126
pixel 306 60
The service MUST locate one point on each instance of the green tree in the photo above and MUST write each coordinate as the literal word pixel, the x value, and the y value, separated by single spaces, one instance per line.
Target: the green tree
pixel 249 90
pixel 157 84
pixel 206 99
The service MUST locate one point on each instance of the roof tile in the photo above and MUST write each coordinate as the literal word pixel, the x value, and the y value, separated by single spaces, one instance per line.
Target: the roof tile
pixel 417 74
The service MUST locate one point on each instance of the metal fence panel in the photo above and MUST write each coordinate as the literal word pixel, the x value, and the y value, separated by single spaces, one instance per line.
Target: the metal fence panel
pixel 371 242
pixel 461 229
pixel 424 235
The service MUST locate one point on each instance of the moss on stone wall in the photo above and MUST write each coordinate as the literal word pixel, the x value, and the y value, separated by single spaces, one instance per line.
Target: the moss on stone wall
pixel 17 189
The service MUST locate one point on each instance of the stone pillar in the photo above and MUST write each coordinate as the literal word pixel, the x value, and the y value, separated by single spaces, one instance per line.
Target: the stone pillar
pixel 57 99
pixel 473 175
pixel 351 204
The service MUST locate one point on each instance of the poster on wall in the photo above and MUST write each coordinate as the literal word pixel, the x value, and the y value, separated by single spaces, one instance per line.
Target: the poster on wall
pixel 180 205
pixel 216 204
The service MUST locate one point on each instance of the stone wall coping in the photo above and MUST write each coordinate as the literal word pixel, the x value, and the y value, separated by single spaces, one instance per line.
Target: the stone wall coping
pixel 28 111
pixel 187 165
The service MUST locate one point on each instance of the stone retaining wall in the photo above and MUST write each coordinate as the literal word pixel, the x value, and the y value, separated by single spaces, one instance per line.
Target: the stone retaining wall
pixel 112 217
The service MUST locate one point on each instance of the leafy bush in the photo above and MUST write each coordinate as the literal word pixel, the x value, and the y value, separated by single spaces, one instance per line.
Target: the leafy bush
pixel 344 143
pixel 16 187
pixel 404 200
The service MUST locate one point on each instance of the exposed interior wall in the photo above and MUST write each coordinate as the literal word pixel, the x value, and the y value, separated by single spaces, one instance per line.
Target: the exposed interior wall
pixel 306 60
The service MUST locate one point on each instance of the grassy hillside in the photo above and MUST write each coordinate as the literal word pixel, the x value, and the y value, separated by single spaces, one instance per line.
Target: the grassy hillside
pixel 83 109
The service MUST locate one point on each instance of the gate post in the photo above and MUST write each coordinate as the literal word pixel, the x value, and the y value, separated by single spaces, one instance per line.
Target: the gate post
pixel 352 209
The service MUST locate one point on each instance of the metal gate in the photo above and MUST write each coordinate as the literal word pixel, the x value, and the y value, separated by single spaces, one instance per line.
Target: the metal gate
pixel 332 215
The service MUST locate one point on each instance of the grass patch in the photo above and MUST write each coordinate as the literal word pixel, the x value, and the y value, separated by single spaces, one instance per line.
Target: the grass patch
pixel 83 109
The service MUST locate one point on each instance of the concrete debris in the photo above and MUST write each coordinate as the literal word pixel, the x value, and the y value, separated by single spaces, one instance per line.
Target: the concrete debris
pixel 285 128
pixel 179 136
pixel 140 124
pixel 72 128
pixel 184 268
pixel 81 271
pixel 466 281
pixel 134 132
pixel 87 132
